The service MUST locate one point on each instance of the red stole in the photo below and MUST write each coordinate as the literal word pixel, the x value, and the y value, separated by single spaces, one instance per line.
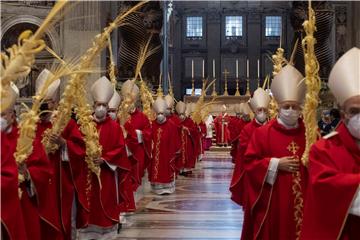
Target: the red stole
pixel 272 207
pixel 221 129
pixel 334 170
pixel 12 221
pixel 166 147
pixel 235 126
pixel 140 151
pixel 105 204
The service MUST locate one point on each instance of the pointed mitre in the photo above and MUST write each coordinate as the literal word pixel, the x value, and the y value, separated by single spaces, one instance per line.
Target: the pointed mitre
pixel 52 91
pixel 159 105
pixel 102 90
pixel 169 101
pixel 288 85
pixel 260 99
pixel 344 79
pixel 245 108
pixel 180 107
pixel 115 100
pixel 9 101
pixel 130 89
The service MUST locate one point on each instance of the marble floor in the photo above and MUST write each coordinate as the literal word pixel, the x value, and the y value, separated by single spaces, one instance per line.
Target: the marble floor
pixel 199 209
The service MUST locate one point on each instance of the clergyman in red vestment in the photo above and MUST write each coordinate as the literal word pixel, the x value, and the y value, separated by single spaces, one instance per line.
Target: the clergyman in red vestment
pixel 273 169
pixel 221 127
pixel 105 204
pixel 12 221
pixel 332 207
pixel 238 187
pixel 166 148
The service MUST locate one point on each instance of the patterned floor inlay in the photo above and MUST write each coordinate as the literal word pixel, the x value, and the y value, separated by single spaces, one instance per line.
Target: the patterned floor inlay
pixel 200 209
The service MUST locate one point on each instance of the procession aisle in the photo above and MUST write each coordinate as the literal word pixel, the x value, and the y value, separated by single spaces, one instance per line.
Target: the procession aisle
pixel 199 209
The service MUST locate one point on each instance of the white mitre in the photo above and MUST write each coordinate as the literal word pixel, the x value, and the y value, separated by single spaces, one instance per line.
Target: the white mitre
pixel 288 85
pixel 52 91
pixel 102 90
pixel 130 89
pixel 180 107
pixel 169 101
pixel 344 79
pixel 9 101
pixel 115 100
pixel 159 105
pixel 260 99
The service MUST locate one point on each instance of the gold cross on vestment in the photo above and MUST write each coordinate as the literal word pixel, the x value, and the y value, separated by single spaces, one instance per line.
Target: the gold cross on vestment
pixel 293 147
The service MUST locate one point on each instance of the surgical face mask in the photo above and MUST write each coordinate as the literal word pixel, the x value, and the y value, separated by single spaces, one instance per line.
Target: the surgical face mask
pixel 289 116
pixel 353 126
pixel 100 112
pixel 112 115
pixel 160 118
pixel 3 124
pixel 261 117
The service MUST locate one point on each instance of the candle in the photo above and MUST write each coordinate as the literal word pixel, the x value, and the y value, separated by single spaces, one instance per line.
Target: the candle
pixel 247 68
pixel 213 68
pixel 237 68
pixel 203 69
pixel 192 69
pixel 258 72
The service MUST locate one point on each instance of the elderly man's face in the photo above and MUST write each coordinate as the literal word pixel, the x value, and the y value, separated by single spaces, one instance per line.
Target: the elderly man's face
pixel 351 108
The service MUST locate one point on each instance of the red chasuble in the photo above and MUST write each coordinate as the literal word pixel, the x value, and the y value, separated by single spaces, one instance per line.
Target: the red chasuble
pixel 272 206
pixel 238 186
pixel 334 170
pixel 12 222
pixel 221 129
pixel 140 157
pixel 166 147
pixel 105 205
pixel 236 124
pixel 70 177
pixel 192 152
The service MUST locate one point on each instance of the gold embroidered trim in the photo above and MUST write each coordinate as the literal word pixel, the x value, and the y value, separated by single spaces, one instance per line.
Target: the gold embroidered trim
pixel 157 153
pixel 183 146
pixel 296 189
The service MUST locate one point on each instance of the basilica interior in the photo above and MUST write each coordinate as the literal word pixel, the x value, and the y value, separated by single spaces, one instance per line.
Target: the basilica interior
pixel 220 50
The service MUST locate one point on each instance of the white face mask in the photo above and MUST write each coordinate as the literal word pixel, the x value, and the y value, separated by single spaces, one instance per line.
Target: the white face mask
pixel 160 118
pixel 289 116
pixel 112 115
pixel 353 126
pixel 261 117
pixel 100 112
pixel 3 124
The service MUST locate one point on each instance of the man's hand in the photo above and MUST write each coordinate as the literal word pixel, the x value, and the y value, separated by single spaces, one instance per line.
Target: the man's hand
pixel 289 164
pixel 98 161
pixel 57 140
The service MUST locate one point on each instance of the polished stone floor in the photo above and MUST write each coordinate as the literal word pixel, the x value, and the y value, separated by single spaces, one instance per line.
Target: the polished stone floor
pixel 199 209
